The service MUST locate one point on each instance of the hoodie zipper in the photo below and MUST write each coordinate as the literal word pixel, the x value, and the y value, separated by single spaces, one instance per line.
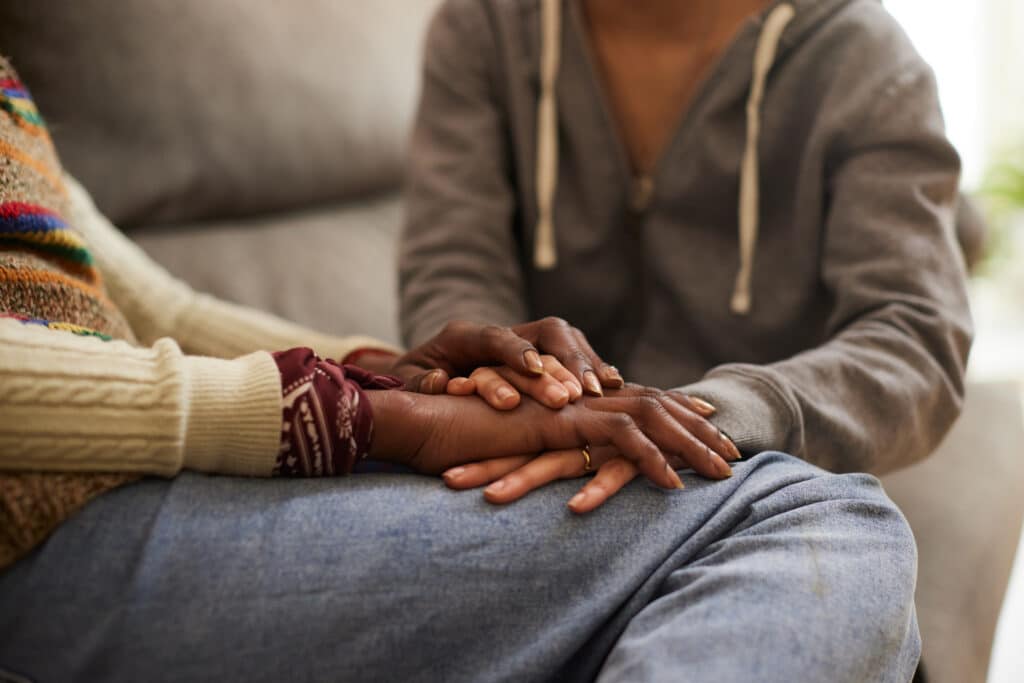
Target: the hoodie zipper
pixel 641 187
pixel 641 192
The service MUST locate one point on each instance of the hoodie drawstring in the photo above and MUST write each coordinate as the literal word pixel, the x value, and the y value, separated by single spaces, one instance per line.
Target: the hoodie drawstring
pixel 545 255
pixel 750 182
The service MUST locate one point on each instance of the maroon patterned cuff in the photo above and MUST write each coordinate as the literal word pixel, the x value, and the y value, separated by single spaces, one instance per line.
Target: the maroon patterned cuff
pixel 327 421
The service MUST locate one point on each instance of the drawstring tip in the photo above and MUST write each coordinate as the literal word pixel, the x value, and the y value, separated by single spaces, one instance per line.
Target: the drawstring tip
pixel 740 303
pixel 544 257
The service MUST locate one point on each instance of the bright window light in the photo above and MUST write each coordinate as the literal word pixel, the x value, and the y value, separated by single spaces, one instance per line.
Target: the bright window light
pixel 951 37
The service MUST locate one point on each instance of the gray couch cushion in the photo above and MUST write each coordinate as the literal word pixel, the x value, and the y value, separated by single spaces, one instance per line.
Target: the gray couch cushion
pixel 332 268
pixel 194 109
pixel 965 507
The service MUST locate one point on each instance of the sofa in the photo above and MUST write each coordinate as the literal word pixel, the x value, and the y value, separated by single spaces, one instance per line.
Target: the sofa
pixel 255 149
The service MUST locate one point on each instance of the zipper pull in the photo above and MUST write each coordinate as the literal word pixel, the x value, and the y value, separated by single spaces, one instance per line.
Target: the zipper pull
pixel 641 192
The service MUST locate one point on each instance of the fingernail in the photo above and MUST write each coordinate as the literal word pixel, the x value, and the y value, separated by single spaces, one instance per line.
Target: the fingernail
pixel 675 477
pixel 575 390
pixel 454 473
pixel 504 393
pixel 496 487
pixel 703 405
pixel 591 383
pixel 733 451
pixel 556 393
pixel 724 469
pixel 432 379
pixel 533 363
pixel 577 500
pixel 614 375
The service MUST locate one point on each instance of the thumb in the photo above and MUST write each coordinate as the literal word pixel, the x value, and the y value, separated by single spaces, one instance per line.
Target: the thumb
pixel 422 381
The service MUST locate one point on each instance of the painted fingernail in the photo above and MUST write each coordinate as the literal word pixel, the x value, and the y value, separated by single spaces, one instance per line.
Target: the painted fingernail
pixel 733 451
pixel 678 483
pixel 575 390
pixel 724 469
pixel 591 384
pixel 577 500
pixel 614 376
pixel 703 405
pixel 431 380
pixel 496 487
pixel 454 473
pixel 503 393
pixel 533 364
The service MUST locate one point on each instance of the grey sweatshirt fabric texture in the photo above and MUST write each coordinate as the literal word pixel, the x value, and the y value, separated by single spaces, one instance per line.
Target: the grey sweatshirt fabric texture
pixel 851 354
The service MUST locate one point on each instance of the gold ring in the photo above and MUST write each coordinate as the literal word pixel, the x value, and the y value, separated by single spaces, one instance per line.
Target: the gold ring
pixel 586 458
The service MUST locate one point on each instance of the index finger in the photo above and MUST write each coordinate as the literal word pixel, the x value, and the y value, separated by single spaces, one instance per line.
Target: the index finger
pixel 570 346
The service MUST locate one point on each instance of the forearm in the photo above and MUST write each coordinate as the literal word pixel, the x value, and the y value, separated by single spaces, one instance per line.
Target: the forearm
pixel 71 403
pixel 852 405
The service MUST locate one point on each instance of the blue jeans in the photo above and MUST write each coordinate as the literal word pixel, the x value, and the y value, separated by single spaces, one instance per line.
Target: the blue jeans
pixel 782 573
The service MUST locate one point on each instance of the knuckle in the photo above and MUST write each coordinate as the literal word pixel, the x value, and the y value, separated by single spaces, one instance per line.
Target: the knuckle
pixel 616 467
pixel 554 321
pixel 491 333
pixel 577 356
pixel 620 421
pixel 454 328
pixel 650 406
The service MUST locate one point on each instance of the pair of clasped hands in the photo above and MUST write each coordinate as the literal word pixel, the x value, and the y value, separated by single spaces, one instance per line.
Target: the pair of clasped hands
pixel 514 408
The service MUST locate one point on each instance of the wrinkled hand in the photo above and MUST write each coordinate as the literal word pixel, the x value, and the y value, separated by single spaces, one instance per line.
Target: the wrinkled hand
pixel 432 434
pixel 706 449
pixel 568 367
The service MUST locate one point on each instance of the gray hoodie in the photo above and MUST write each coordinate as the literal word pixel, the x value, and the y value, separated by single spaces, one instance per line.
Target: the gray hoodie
pixel 792 259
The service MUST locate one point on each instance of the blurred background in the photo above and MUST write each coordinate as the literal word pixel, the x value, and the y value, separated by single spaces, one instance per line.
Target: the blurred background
pixel 977 51
pixel 235 138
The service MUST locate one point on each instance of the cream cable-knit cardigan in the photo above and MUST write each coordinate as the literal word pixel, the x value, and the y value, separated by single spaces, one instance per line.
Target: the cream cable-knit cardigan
pixel 74 403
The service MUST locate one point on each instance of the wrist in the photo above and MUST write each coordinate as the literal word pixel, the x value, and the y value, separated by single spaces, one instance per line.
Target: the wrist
pixel 398 431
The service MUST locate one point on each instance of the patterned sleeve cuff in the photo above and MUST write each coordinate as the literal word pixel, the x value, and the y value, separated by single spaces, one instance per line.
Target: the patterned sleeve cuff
pixel 327 421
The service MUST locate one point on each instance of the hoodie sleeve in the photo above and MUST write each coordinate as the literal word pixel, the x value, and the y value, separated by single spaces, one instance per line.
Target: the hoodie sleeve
pixel 458 255
pixel 888 383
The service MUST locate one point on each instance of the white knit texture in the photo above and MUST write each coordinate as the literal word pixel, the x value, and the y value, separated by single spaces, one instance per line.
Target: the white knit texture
pixel 74 403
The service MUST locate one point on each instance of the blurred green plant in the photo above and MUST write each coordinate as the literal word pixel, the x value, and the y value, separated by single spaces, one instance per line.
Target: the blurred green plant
pixel 1002 199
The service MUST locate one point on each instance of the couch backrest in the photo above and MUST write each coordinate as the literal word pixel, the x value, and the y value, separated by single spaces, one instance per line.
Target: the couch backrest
pixel 197 109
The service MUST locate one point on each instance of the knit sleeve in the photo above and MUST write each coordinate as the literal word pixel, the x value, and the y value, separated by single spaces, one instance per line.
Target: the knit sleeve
pixel 78 403
pixel 159 305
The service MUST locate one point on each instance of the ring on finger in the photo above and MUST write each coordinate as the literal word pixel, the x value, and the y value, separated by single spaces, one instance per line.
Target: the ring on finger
pixel 586 458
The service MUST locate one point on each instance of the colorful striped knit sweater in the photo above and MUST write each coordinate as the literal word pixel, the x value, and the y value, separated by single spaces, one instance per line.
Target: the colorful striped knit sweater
pixel 82 413
pixel 46 271
pixel 47 277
